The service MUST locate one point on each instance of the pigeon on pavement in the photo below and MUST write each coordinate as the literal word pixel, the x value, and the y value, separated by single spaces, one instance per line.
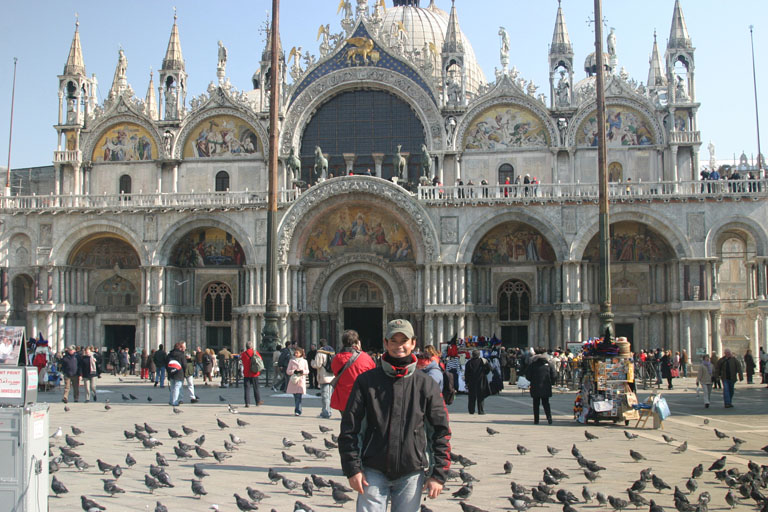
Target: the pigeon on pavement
pixel 57 487
pixel 198 489
pixel 89 505
pixel 245 505
pixel 590 436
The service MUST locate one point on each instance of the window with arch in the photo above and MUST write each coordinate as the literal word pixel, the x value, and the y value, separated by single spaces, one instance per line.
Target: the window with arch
pixel 506 171
pixel 222 181
pixel 125 184
pixel 514 301
pixel 217 303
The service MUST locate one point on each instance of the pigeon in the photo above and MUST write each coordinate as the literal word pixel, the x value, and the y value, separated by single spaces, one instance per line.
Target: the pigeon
pixel 552 450
pixel 691 485
pixel 72 442
pixel 718 464
pixel 518 505
pixel 549 479
pixel 165 479
pixel 68 451
pixel 330 444
pixel 340 497
pixel 466 507
pixel 668 439
pixel 288 443
pixel 148 429
pixel 274 476
pixel 307 487
pixel 697 471
pixel 655 507
pixel 451 475
pixel 200 440
pixel 149 398
pixel 151 483
pixel 57 487
pixel 229 446
pixel 307 435
pixel 133 397
pixel 107 407
pixel 241 423
pixel 522 450
pixel 303 507
pixel 736 440
pixel 601 499
pixel 187 430
pixel 103 466
pixel 646 474
pixel 198 489
pixel 151 443
pixel 110 487
pixel 232 409
pixel 636 499
pixel 325 429
pixel 490 431
pixel 730 498
pixel 235 439
pixel 339 486
pixel 507 467
pixel 564 496
pixel 81 464
pixel 128 434
pixel 309 450
pixel 638 485
pixel 202 452
pixel 221 456
pixel 617 503
pixel 721 435
pixel 658 483
pixel 682 448
pixel 334 438
pixel 636 456
pixel 186 447
pixel 161 460
pixel 586 494
pixel 141 436
pixel 289 458
pixel 66 409
pixel 734 449
pixel 593 466
pixel 575 452
pixel 590 436
pixel 159 507
pixel 630 436
pixel 319 481
pixel 255 495
pixel 464 492
pixel 221 424
pixel 53 466
pixel 125 397
pixel 591 475
pixel 222 399
pixel 539 496
pixel 289 484
pixel 76 431
pixel 174 434
pixel 568 508
pixel 89 505
pixel 181 454
pixel 200 472
pixel 467 477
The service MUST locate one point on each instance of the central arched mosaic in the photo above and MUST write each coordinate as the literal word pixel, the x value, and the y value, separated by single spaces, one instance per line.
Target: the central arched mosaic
pixel 506 126
pixel 208 247
pixel 512 242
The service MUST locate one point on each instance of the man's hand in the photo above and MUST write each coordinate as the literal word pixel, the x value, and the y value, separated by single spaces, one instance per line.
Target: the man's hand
pixel 432 486
pixel 359 483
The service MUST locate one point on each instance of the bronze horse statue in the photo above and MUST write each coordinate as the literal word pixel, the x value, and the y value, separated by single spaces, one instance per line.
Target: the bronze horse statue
pixel 401 164
pixel 426 162
pixel 321 164
pixel 293 163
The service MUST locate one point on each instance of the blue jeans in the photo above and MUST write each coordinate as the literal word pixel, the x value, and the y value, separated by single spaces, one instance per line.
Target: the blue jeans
pixel 728 390
pixel 326 390
pixel 160 376
pixel 297 403
pixel 174 387
pixel 404 493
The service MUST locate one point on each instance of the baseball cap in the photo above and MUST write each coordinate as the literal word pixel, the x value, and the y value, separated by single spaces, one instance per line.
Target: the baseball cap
pixel 72 347
pixel 399 325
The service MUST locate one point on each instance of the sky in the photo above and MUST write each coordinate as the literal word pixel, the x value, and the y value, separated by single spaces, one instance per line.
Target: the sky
pixel 39 33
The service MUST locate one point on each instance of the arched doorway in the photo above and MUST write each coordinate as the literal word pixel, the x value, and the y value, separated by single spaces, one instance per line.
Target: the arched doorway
pixel 363 306
pixel 217 315
pixel 21 296
pixel 514 302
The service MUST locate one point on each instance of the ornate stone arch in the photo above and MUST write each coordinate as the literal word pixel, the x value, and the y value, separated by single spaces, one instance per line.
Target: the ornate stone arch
pixel 162 253
pixel 589 107
pixel 302 109
pixel 740 223
pixel 343 271
pixel 107 122
pixel 475 233
pixel 62 249
pixel 376 188
pixel 230 110
pixel 537 109
pixel 8 249
pixel 665 227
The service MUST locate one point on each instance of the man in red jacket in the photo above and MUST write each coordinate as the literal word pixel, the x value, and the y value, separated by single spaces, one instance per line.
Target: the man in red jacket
pixel 250 379
pixel 345 378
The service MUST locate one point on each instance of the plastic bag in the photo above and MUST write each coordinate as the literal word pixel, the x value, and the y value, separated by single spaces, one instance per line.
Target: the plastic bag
pixel 662 408
pixel 523 383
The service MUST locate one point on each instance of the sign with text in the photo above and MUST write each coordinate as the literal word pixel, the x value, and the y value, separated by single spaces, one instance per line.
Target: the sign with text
pixel 11 382
pixel 11 339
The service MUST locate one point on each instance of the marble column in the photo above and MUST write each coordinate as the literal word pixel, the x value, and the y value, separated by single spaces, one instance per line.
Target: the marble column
pixel 714 266
pixel 761 284
pixel 764 343
pixel 427 283
pixel 717 342
pixel 441 284
pixel 429 331
pixel 754 342
pixel 705 328
pixel 378 160
pixel 349 160
pixel 462 284
pixel 440 328
pixel 460 326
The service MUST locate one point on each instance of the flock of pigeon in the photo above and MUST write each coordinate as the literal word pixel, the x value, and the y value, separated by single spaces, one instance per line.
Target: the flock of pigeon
pixel 743 487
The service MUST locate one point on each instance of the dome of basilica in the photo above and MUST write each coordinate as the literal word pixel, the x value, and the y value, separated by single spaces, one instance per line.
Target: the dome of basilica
pixel 430 24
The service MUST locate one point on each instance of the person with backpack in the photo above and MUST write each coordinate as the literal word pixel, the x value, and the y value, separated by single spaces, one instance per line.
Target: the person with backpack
pixel 322 363
pixel 160 358
pixel 541 373
pixel 350 362
pixel 282 364
pixel 177 366
pixel 253 365
pixel 208 364
pixel 476 376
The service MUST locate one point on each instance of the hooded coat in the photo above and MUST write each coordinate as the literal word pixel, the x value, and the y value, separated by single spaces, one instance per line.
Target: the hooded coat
pixel 541 373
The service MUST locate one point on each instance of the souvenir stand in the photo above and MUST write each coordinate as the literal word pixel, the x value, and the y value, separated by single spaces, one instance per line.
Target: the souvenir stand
pixel 607 372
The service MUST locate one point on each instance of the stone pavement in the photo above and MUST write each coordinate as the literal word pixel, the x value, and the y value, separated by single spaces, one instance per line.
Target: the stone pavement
pixel 509 413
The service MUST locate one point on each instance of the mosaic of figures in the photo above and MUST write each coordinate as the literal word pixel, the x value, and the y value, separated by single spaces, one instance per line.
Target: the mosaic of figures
pixel 124 142
pixel 105 252
pixel 512 242
pixel 206 247
pixel 505 126
pixel 623 127
pixel 357 229
pixel 632 242
pixel 221 137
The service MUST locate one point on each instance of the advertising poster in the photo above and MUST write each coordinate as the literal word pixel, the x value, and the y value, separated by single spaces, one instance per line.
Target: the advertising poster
pixel 11 339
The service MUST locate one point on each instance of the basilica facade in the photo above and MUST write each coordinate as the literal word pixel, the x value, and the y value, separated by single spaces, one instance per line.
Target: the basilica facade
pixel 410 186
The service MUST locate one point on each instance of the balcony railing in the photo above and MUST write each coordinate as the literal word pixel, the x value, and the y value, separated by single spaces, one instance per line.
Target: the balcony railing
pixel 67 156
pixel 430 195
pixel 685 137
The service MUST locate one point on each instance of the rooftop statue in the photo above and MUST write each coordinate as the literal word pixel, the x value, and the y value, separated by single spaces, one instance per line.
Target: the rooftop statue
pixel 504 50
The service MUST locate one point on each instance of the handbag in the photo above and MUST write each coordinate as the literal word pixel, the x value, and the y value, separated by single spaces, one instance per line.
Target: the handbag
pixel 674 372
pixel 297 379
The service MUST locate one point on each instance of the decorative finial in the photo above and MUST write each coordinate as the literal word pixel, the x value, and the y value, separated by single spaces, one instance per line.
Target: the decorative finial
pixel 175 17
pixel 654 35
pixel 77 21
pixel 151 73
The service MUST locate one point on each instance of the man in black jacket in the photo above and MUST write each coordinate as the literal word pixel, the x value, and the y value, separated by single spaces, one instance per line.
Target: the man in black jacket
pixel 176 376
pixel 476 377
pixel 400 415
pixel 541 373
pixel 160 358
pixel 70 368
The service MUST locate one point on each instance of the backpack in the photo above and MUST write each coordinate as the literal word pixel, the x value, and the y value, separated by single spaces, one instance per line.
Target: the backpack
pixel 174 368
pixel 449 391
pixel 257 364
pixel 327 365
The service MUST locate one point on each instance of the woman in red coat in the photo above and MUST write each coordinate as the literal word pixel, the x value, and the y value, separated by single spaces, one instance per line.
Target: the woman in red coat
pixel 362 363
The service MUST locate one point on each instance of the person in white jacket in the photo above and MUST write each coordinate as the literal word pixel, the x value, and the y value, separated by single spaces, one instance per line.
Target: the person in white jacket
pixel 704 378
pixel 324 377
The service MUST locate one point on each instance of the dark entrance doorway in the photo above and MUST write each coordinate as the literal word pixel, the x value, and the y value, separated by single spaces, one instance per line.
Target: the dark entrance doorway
pixel 120 336
pixel 367 322
pixel 514 335
pixel 627 331
pixel 218 337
